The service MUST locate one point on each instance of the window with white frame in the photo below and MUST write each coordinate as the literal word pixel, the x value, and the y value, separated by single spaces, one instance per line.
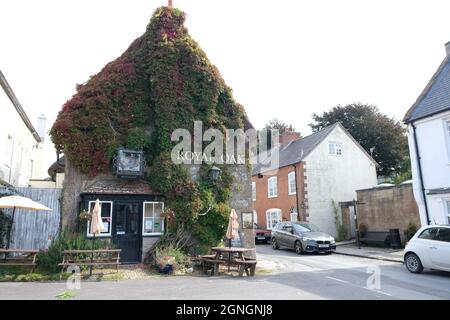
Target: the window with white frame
pixel 106 214
pixel 153 222
pixel 447 132
pixel 291 183
pixel 447 213
pixel 272 186
pixel 254 191
pixel 335 149
pixel 273 216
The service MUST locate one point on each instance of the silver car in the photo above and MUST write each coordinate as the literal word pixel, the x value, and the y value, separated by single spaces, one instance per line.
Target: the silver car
pixel 302 237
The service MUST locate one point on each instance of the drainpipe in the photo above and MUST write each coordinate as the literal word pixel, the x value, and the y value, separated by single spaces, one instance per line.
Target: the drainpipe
pixel 296 194
pixel 422 186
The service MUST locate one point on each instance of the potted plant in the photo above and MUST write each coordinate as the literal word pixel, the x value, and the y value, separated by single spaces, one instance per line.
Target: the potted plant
pixel 362 229
pixel 164 264
pixel 85 215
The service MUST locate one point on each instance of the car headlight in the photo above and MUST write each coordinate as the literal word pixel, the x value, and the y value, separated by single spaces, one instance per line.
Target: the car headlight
pixel 310 242
pixel 333 241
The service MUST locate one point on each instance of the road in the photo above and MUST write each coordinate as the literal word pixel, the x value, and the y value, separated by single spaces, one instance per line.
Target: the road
pixel 295 277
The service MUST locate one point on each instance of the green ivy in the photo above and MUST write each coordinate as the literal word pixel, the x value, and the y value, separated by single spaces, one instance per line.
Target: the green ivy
pixel 162 82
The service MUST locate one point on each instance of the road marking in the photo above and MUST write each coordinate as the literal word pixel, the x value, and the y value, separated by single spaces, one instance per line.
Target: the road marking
pixel 336 279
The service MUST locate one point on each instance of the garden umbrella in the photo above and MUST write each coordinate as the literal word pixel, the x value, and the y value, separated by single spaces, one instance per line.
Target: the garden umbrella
pixel 14 202
pixel 232 231
pixel 96 226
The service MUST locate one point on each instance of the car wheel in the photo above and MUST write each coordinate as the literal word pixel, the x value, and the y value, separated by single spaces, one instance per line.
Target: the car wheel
pixel 298 247
pixel 413 263
pixel 275 245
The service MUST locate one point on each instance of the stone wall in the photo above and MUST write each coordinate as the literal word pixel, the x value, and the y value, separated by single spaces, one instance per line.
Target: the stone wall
pixel 388 208
pixel 241 201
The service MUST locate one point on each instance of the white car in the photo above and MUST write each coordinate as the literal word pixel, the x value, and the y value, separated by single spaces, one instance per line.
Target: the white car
pixel 429 248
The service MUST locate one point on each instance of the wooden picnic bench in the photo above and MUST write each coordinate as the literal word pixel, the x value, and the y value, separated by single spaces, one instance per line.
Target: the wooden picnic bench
pixel 90 258
pixel 18 257
pixel 224 256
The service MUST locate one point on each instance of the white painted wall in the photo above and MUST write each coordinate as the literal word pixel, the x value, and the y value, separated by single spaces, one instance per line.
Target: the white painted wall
pixel 19 156
pixel 434 146
pixel 335 178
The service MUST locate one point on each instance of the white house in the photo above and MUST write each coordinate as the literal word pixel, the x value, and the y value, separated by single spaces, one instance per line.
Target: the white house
pixel 21 144
pixel 313 172
pixel 428 123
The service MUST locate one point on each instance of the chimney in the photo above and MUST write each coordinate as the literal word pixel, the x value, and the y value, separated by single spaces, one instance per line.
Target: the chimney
pixel 447 48
pixel 41 130
pixel 289 136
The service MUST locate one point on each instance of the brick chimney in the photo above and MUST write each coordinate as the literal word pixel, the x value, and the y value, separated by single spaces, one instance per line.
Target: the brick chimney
pixel 447 48
pixel 289 136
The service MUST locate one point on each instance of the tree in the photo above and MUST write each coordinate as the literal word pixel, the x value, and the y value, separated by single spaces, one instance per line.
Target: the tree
pixel 279 125
pixel 380 135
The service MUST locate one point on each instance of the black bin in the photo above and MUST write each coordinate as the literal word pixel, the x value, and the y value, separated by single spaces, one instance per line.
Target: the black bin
pixel 396 242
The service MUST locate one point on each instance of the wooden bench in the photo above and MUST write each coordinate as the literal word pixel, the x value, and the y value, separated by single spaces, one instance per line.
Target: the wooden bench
pixel 211 263
pixel 90 258
pixel 18 257
pixel 248 266
pixel 382 237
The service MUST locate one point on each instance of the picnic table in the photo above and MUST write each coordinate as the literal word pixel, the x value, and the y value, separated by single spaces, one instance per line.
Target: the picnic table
pixel 230 257
pixel 18 257
pixel 90 258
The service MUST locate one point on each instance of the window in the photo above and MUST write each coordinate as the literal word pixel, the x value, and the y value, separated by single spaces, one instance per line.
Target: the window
pixel 255 217
pixel 106 213
pixel 273 216
pixel 291 183
pixel 153 223
pixel 443 234
pixel 429 234
pixel 447 213
pixel 254 191
pixel 272 187
pixel 335 149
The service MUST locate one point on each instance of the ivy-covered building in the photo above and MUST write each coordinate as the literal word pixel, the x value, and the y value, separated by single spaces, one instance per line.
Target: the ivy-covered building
pixel 115 133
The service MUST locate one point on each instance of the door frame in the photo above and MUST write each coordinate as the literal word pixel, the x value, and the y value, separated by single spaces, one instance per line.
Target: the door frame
pixel 114 235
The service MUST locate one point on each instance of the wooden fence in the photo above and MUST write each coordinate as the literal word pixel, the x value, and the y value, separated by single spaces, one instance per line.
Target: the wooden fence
pixel 36 229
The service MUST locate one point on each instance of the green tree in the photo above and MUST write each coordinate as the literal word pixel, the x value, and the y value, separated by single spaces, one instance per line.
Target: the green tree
pixel 380 135
pixel 279 125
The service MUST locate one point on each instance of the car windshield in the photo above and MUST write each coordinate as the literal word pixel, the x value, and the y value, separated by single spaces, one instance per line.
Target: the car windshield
pixel 305 227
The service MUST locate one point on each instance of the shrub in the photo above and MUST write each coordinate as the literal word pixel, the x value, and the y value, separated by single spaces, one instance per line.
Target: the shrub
pixel 342 233
pixel 48 260
pixel 410 231
pixel 362 229
pixel 171 255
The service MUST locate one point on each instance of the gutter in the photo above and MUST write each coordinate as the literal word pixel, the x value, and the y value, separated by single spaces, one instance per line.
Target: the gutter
pixel 10 93
pixel 422 186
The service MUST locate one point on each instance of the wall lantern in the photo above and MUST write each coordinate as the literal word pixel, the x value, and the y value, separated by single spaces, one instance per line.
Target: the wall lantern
pixel 214 173
pixel 129 164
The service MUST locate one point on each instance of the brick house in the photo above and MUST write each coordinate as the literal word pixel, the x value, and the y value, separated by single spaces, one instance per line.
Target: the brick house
pixel 313 172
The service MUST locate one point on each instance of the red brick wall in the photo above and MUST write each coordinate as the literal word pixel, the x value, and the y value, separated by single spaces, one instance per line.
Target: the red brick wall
pixel 283 201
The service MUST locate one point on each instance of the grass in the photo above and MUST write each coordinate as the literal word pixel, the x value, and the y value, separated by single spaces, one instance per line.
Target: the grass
pixel 22 274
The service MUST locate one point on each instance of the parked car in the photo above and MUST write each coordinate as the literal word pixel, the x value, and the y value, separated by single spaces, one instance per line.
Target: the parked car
pixel 429 248
pixel 261 235
pixel 302 237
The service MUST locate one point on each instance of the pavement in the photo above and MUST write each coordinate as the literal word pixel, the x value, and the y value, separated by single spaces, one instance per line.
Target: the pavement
pixel 281 275
pixel 386 254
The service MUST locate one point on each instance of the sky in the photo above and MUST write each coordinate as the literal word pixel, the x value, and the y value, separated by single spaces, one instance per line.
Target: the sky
pixel 285 59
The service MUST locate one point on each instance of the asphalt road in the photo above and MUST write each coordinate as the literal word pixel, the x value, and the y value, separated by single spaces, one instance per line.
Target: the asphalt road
pixel 293 277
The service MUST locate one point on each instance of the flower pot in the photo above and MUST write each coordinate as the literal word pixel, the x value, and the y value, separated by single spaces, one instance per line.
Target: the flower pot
pixel 168 268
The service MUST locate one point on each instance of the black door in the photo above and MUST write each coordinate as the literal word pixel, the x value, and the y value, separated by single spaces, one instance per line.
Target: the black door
pixel 127 233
